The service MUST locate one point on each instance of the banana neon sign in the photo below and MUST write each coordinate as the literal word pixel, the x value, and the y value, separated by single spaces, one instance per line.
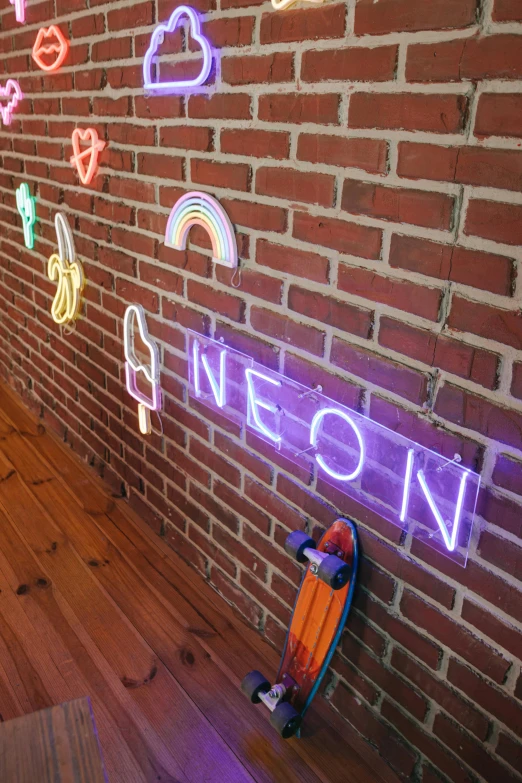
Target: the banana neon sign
pixel 66 271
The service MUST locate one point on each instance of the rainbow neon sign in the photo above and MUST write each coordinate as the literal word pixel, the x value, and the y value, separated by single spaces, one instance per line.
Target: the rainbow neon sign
pixel 200 209
pixel 158 37
pixel 429 496
pixel 135 315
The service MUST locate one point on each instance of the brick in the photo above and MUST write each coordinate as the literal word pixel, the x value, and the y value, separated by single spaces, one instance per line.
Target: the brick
pixel 310 375
pixel 499 115
pixel 501 511
pixel 453 635
pixel 402 15
pixel 477 413
pixel 493 323
pixel 355 680
pixel 297 108
pixel 198 138
pixel 488 57
pixel 471 751
pixel 367 154
pixel 436 350
pixel 371 727
pixel 237 453
pixel 495 220
pixel 293 185
pixel 269 68
pixel 507 11
pixel 341 235
pixel 242 506
pixel 226 304
pixel 436 689
pixel 324 22
pixel 262 217
pixel 406 570
pixel 406 635
pixel 341 315
pixel 220 106
pixel 508 473
pixel 408 111
pixel 355 64
pixel 133 16
pixel 273 505
pixel 500 552
pixel 260 143
pixel 495 628
pixel 233 594
pixel 479 580
pixel 378 370
pixel 510 750
pixel 232 31
pixel 167 166
pixel 486 271
pixel 400 205
pixel 516 384
pixel 288 260
pixel 214 462
pixel 234 176
pixel 279 327
pixel 387 680
pixel 466 165
pixel 252 282
pixel 395 292
pixel 445 761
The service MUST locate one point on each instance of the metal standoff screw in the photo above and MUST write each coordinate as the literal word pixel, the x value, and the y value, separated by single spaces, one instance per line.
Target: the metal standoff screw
pixel 456 458
pixel 317 388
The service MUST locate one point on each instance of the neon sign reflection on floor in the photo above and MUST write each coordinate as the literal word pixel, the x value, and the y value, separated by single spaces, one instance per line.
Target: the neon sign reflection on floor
pixel 411 486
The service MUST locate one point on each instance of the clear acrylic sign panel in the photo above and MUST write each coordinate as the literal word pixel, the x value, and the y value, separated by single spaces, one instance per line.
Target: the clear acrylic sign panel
pixel 407 484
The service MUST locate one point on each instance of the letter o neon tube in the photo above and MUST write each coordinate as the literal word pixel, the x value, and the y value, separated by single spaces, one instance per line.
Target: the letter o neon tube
pixel 316 421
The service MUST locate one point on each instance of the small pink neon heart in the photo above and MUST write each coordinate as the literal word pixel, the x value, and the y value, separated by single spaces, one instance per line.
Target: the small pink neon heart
pixel 90 136
pixel 14 94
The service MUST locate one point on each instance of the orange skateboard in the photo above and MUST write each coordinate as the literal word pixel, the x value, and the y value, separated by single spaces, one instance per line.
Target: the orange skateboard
pixel 319 616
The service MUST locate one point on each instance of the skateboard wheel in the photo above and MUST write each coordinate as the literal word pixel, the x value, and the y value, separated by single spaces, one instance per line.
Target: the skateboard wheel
pixel 334 571
pixel 285 719
pixel 296 543
pixel 253 684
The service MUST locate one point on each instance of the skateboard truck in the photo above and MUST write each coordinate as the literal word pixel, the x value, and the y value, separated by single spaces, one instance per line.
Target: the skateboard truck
pixel 328 565
pixel 283 715
pixel 278 692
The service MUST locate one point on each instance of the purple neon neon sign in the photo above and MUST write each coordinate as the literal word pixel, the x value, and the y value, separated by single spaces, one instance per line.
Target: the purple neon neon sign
pixel 158 37
pixel 411 486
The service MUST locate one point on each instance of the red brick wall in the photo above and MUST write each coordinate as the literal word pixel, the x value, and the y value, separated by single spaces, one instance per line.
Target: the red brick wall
pixel 369 155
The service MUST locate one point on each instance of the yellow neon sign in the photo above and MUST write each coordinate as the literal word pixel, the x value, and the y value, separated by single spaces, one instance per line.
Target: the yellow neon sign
pixel 66 271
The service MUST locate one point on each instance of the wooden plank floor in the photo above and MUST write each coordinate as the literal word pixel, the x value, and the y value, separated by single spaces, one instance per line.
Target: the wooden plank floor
pixel 93 603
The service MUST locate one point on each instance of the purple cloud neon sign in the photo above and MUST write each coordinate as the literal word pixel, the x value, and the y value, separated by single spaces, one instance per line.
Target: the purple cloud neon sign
pixel 158 37
pixel 409 485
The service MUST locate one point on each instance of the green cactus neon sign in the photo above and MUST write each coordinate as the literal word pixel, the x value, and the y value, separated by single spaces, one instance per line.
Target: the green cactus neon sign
pixel 26 205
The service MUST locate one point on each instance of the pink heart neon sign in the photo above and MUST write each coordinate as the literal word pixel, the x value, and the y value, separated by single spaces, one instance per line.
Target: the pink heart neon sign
pixel 14 94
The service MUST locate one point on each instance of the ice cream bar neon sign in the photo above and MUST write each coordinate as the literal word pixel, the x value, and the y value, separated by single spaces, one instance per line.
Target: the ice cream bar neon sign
pixel 423 492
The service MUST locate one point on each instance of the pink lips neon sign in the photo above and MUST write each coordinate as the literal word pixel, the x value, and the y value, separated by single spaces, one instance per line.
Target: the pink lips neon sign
pixel 409 485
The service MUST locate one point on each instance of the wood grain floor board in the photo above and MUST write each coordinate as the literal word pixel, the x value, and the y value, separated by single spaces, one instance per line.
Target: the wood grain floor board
pixel 125 619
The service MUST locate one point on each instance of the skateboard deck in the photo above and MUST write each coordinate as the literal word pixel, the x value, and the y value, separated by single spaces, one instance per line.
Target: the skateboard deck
pixel 318 618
